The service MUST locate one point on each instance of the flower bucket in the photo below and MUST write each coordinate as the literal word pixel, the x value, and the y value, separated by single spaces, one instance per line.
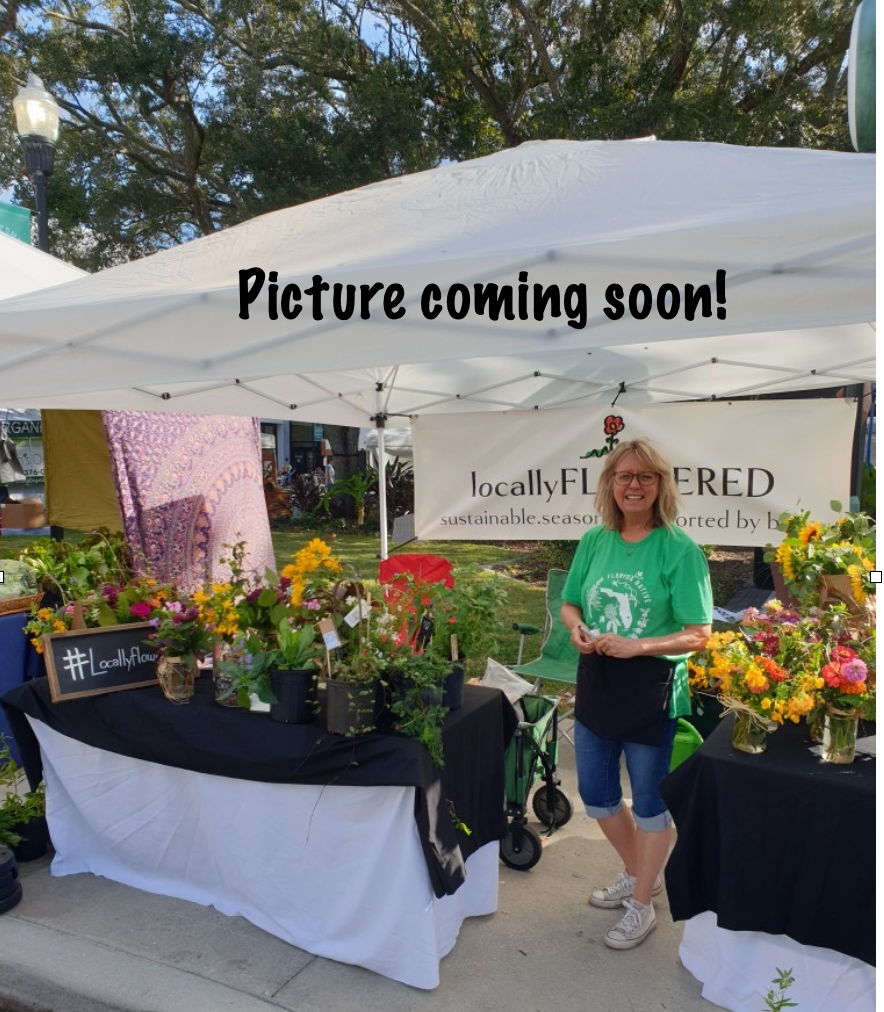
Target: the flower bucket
pixel 176 677
pixel 839 737
pixel 350 707
pixel 294 691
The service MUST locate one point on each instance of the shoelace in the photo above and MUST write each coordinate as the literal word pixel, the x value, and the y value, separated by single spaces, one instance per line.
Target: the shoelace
pixel 631 920
pixel 622 884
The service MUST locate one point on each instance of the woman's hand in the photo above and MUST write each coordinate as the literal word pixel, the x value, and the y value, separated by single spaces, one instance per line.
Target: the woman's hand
pixel 583 640
pixel 572 618
pixel 610 645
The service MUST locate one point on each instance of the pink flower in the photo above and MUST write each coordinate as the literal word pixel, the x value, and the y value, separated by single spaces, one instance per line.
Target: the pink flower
pixel 313 605
pixel 141 609
pixel 854 671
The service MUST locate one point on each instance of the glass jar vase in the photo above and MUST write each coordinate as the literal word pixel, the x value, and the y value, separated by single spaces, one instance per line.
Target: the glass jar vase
pixel 749 733
pixel 839 737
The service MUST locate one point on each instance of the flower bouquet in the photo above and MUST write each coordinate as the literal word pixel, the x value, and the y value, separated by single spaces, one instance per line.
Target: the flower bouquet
pixel 270 627
pixel 108 606
pixel 766 672
pixel 821 562
pixel 181 639
pixel 846 686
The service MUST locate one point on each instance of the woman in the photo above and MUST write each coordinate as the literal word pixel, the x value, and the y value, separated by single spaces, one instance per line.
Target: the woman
pixel 637 596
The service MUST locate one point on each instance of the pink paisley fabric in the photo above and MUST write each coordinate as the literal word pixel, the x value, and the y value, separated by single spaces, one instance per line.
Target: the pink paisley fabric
pixel 189 485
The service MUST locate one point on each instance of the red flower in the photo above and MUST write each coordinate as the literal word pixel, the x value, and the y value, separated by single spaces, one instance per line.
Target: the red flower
pixel 841 654
pixel 613 425
pixel 773 670
pixel 831 675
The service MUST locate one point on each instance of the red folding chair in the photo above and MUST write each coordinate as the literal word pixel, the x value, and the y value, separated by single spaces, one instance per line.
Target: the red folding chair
pixel 399 573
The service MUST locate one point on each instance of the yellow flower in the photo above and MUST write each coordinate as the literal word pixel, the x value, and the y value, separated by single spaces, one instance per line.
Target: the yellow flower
pixel 766 703
pixel 45 614
pixel 856 582
pixel 784 559
pixel 59 626
pixel 811 531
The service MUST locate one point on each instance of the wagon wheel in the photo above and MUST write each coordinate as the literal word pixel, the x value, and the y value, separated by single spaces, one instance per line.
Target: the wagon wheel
pixel 562 811
pixel 528 854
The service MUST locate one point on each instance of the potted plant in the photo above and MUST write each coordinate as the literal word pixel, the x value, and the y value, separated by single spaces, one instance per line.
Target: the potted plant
pixel 417 702
pixel 181 639
pixel 22 812
pixel 469 617
pixel 355 659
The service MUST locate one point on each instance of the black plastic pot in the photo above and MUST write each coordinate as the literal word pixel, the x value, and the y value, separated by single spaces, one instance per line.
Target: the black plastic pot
pixel 34 839
pixel 295 694
pixel 452 687
pixel 350 708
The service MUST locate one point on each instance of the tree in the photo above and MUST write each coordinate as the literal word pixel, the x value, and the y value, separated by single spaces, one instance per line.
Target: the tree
pixel 185 116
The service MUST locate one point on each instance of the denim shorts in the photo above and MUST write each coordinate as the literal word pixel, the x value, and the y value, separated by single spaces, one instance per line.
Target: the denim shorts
pixel 598 777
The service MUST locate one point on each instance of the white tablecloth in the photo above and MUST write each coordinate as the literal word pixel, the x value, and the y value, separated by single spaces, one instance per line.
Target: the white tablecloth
pixel 337 871
pixel 736 969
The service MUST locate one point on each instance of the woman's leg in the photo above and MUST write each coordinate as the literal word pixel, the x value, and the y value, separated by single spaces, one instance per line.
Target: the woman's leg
pixel 598 780
pixel 647 766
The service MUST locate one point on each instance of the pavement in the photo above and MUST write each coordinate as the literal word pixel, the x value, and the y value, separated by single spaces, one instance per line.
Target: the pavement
pixel 81 943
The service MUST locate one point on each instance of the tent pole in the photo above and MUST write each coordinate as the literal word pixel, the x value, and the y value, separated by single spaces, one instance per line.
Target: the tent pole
pixel 380 422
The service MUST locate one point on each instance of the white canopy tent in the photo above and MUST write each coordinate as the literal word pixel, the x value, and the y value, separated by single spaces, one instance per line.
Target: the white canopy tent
pixel 794 230
pixel 25 269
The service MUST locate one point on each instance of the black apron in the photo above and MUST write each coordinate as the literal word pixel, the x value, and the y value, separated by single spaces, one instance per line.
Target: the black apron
pixel 625 699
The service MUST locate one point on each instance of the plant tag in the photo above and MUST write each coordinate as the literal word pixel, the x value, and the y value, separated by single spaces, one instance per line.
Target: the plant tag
pixel 454 648
pixel 329 634
pixel 359 611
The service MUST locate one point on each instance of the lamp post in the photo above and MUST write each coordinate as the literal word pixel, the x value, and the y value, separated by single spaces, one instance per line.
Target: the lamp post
pixel 36 117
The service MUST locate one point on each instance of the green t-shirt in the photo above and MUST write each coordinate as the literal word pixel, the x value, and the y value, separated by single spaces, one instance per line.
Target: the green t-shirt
pixel 653 587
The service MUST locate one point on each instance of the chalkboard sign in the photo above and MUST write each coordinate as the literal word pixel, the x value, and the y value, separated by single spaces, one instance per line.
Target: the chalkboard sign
pixel 87 662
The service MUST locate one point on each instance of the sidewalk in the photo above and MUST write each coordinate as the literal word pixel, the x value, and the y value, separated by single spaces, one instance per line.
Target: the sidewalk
pixel 86 944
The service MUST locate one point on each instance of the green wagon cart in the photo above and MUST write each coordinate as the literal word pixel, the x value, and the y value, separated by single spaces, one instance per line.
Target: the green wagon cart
pixel 530 756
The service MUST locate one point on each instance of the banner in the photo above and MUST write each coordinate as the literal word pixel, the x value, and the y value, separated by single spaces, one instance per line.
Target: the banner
pixel 531 476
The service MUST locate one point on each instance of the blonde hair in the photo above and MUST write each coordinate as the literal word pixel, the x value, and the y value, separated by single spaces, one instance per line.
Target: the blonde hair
pixel 666 503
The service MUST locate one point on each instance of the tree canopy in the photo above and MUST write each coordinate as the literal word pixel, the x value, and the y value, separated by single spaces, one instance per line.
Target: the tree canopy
pixel 181 117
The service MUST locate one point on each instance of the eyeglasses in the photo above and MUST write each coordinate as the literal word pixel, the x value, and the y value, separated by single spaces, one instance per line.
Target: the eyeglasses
pixel 645 478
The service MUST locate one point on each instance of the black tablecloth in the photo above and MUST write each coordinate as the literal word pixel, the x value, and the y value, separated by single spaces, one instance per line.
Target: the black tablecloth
pixel 779 842
pixel 226 741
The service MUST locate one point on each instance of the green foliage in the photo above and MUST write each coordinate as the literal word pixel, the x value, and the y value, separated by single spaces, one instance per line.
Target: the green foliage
pixel 776 1000
pixel 416 704
pixel 74 569
pixel 18 806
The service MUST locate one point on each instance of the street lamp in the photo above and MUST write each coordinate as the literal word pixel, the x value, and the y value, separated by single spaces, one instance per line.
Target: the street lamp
pixel 36 117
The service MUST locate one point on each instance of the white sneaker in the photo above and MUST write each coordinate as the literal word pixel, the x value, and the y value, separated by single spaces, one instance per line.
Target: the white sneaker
pixel 633 927
pixel 621 889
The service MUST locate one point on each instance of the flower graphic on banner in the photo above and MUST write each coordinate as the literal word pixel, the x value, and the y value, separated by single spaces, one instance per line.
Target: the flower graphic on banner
pixel 614 425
